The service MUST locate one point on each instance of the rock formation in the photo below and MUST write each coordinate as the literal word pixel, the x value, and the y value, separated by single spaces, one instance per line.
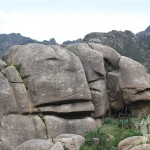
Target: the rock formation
pixel 46 91
pixel 134 46
pixel 134 143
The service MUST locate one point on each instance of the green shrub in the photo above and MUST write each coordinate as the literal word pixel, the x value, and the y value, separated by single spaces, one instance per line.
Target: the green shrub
pixel 119 129
pixel 17 66
pixel 107 121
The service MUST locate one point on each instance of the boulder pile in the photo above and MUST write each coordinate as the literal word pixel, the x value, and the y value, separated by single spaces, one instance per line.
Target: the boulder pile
pixel 47 91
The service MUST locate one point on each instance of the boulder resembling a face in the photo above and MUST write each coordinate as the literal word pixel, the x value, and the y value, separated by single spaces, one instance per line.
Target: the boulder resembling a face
pixel 47 91
pixel 46 95
pixel 55 75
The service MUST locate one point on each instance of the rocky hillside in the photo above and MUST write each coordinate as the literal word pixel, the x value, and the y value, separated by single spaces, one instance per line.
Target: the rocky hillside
pixel 135 46
pixel 8 40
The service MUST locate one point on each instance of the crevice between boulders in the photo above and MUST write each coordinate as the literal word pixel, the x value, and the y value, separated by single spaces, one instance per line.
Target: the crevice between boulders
pixel 42 117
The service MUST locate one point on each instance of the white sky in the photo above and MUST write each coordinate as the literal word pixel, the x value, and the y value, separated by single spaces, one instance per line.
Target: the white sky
pixel 72 19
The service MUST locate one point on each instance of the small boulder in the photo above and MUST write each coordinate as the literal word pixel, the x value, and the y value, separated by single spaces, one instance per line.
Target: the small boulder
pixel 36 144
pixel 141 147
pixel 71 141
pixel 57 146
pixel 130 142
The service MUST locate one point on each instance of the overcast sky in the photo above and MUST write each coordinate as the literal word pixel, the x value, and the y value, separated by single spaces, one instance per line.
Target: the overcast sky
pixel 72 19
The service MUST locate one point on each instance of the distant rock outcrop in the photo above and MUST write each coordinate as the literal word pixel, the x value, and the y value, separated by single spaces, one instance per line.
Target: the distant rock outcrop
pixel 8 40
pixel 47 91
pixel 135 46
pixel 52 41
pixel 74 41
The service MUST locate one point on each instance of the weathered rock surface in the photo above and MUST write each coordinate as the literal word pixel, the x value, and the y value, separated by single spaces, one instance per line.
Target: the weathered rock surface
pixel 93 64
pixel 55 74
pixel 108 53
pixel 2 65
pixel 36 144
pixel 71 126
pixel 57 146
pixel 16 129
pixel 134 46
pixel 7 98
pixel 71 141
pixel 134 84
pixel 20 92
pixel 130 142
pixel 89 58
pixel 46 91
pixel 141 147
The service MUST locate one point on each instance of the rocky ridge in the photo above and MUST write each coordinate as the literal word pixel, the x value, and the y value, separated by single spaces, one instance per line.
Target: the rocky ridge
pixel 135 46
pixel 8 40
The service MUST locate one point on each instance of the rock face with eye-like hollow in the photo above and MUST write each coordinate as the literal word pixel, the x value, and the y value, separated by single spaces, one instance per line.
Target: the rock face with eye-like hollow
pixel 46 91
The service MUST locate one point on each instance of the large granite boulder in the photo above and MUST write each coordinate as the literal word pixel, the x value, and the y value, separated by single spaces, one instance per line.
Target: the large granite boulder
pixel 54 74
pixel 93 64
pixel 129 86
pixel 46 91
pixel 16 129
pixel 62 142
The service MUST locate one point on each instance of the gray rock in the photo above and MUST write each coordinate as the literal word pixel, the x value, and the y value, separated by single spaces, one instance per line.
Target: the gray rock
pixel 99 98
pixel 141 147
pixel 9 54
pixel 12 74
pixel 95 72
pixel 115 92
pixel 57 126
pixel 108 53
pixel 20 92
pixel 36 144
pixel 113 81
pixel 56 75
pixel 134 83
pixel 57 146
pixel 71 141
pixel 2 65
pixel 89 58
pixel 8 103
pixel 130 142
pixel 135 46
pixel 22 98
pixel 16 129
pixel 132 74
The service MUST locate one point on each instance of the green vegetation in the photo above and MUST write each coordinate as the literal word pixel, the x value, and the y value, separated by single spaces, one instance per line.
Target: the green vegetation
pixel 24 77
pixel 17 66
pixel 111 133
pixel 65 148
pixel 108 65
